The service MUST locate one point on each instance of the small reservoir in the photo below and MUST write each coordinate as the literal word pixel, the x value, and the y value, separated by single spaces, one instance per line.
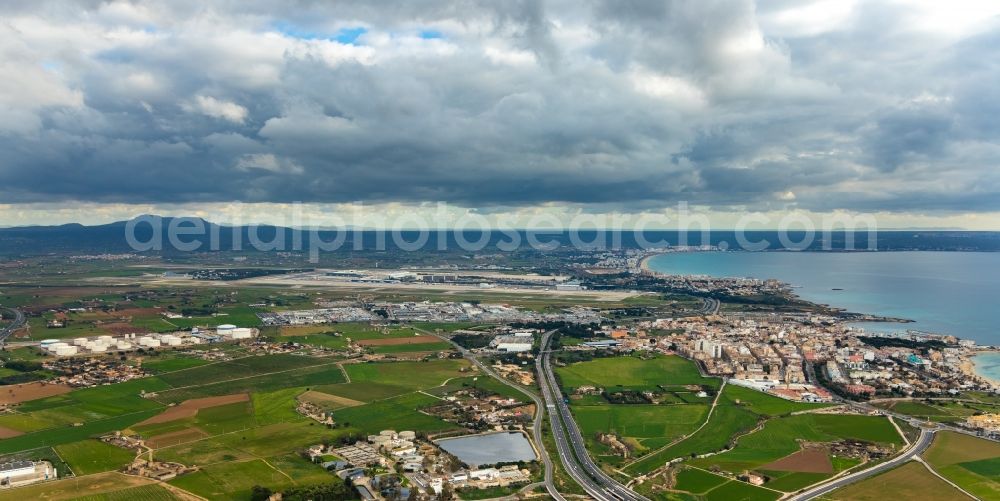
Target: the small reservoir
pixel 490 448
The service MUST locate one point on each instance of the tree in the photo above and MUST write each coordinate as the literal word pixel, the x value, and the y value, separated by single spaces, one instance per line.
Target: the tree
pixel 258 493
pixel 447 492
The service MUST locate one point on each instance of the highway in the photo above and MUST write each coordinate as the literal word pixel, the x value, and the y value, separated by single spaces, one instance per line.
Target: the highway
pixel 13 326
pixel 921 445
pixel 569 442
pixel 709 306
pixel 536 431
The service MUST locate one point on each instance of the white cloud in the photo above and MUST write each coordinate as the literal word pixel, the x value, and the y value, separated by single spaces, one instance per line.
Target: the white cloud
pixel 267 162
pixel 218 109
pixel 848 104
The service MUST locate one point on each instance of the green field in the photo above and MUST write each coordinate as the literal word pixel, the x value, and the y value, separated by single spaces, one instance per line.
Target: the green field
pixel 734 490
pixel 239 368
pixel 780 437
pixel 329 373
pixel 972 463
pixel 633 372
pixel 93 456
pixel 320 340
pixel 111 486
pixel 649 424
pixel 648 429
pixel 212 420
pixel 697 481
pixel 764 404
pixel 411 375
pixel 143 493
pixel 411 348
pixel 940 411
pixel 57 436
pixel 397 413
pixel 726 421
pixel 233 480
pixel 642 427
pixel 909 481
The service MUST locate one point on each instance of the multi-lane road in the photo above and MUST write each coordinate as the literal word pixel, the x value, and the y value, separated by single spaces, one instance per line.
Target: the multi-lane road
pixel 571 447
pixel 709 306
pixel 539 413
pixel 13 326
pixel 569 442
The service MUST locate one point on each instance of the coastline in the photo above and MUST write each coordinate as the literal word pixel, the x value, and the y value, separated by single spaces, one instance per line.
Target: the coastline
pixel 969 367
pixel 644 263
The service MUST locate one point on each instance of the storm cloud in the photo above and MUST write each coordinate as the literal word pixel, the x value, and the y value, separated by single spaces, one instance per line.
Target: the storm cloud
pixel 823 105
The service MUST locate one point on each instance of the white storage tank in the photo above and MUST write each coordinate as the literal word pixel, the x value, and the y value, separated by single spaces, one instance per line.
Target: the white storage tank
pixel 144 340
pixel 174 341
pixel 407 435
pixel 55 346
pixel 153 343
pixel 105 339
pixel 80 341
pixel 225 329
pixel 123 345
pixel 243 333
pixel 100 348
pixel 65 351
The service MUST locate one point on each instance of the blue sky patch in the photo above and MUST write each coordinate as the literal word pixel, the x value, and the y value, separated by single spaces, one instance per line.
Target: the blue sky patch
pixel 344 36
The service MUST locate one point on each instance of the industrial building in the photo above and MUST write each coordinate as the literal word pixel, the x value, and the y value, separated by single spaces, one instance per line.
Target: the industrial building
pixel 18 473
pixel 512 344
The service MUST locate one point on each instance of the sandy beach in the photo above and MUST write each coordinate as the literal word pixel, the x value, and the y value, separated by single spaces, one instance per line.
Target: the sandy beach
pixel 969 367
pixel 644 263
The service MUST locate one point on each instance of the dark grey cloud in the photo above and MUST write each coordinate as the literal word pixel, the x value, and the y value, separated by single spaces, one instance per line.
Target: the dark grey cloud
pixel 484 104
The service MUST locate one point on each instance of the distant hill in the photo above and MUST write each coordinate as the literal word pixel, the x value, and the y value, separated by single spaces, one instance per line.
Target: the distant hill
pixel 75 238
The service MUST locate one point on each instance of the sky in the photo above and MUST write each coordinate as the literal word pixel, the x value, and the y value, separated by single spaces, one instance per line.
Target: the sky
pixel 251 110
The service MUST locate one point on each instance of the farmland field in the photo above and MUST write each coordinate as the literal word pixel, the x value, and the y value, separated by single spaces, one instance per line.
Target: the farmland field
pixel 641 427
pixel 398 413
pixel 650 429
pixel 938 411
pixel 972 463
pixel 909 481
pixel 725 422
pixel 232 480
pixel 143 493
pixel 764 404
pixel 633 372
pixel 659 423
pixel 93 456
pixel 697 481
pixel 413 375
pixel 327 373
pixel 386 349
pixel 780 437
pixel 102 484
pixel 736 490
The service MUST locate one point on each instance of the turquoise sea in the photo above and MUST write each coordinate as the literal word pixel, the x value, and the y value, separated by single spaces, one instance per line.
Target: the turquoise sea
pixel 988 365
pixel 954 293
